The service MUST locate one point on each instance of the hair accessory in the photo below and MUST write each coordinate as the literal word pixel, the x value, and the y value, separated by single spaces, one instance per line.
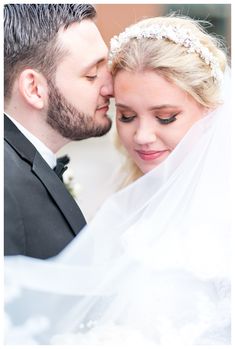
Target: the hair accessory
pixel 177 35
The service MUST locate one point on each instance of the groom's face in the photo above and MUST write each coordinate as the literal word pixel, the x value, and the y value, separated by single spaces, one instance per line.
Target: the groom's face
pixel 78 96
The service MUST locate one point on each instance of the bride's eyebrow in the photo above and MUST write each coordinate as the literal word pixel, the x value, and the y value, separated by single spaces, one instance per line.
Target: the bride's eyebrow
pixel 156 107
pixel 163 106
pixel 122 105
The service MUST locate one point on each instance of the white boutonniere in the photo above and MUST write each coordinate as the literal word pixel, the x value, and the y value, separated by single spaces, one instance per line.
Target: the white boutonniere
pixel 73 187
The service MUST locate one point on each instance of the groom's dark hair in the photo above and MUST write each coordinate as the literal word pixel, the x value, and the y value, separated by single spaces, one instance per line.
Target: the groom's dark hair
pixel 30 37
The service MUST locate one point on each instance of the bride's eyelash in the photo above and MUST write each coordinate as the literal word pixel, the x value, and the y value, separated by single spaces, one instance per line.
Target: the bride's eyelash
pixel 168 120
pixel 162 121
pixel 124 118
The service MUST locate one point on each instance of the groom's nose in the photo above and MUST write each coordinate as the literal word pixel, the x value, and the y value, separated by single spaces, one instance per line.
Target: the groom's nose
pixel 107 87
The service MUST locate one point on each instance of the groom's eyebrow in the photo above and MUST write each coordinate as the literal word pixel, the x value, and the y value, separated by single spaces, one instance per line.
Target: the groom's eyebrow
pixel 93 63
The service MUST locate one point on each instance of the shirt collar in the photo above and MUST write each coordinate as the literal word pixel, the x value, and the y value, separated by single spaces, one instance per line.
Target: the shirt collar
pixel 44 151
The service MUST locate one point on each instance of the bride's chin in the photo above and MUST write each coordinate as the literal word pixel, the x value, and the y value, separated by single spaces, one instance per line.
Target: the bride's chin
pixel 145 168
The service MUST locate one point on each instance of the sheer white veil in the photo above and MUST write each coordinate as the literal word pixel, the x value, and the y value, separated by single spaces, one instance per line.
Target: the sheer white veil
pixel 154 264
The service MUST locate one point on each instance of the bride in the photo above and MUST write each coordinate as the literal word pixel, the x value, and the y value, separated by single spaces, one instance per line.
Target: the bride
pixel 153 267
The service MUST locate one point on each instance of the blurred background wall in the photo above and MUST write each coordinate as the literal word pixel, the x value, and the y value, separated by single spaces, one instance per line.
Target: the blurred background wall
pixel 114 18
pixel 95 162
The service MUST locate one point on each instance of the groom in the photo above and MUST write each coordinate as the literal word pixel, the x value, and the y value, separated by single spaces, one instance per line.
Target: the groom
pixel 56 89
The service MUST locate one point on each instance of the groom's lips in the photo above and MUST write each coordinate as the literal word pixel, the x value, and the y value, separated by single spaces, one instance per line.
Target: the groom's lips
pixel 103 107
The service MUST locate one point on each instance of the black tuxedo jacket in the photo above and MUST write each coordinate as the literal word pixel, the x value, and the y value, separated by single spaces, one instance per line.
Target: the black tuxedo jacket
pixel 40 216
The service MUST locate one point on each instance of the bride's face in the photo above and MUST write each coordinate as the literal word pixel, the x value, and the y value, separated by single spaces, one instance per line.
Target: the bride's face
pixel 152 116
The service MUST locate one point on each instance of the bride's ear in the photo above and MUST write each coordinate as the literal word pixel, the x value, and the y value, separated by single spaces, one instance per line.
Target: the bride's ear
pixel 33 88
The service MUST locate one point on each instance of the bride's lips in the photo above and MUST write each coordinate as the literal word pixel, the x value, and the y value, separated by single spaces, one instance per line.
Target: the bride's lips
pixel 148 155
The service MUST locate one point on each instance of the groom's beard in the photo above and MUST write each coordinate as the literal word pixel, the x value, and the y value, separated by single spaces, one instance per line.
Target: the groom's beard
pixel 69 121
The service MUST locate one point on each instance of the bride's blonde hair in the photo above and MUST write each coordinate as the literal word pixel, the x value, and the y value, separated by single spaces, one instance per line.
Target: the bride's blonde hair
pixel 187 70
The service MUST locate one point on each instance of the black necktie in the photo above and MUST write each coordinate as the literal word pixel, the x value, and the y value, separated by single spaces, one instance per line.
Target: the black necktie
pixel 61 166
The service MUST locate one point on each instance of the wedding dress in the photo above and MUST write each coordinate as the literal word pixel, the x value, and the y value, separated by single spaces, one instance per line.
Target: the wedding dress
pixel 152 268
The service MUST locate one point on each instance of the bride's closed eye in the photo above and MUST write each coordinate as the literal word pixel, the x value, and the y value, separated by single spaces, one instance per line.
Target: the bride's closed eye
pixel 165 121
pixel 162 121
pixel 124 118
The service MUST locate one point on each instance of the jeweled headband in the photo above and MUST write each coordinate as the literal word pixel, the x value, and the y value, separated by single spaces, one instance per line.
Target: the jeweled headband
pixel 172 33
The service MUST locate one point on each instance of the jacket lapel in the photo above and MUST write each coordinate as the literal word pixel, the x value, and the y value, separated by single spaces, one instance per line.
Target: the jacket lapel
pixel 60 194
pixel 47 176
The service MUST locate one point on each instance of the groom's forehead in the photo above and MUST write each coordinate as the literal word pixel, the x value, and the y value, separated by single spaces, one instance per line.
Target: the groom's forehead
pixel 84 43
pixel 81 34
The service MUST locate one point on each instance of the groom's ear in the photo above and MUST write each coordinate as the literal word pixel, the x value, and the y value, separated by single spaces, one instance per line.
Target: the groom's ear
pixel 33 88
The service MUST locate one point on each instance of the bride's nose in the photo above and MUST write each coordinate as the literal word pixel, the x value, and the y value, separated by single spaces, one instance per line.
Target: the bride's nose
pixel 145 134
